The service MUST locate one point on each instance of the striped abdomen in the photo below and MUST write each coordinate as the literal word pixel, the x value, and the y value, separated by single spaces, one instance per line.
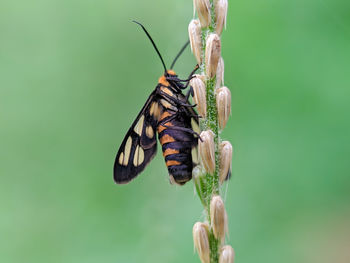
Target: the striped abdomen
pixel 177 145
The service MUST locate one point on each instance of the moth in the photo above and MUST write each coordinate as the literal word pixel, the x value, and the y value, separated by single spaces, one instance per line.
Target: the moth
pixel 168 114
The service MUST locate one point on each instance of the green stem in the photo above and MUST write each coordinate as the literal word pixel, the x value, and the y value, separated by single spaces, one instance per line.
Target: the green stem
pixel 211 123
pixel 207 184
pixel 214 248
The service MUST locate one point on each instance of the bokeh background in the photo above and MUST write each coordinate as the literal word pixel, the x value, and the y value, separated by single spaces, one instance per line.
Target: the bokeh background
pixel 74 74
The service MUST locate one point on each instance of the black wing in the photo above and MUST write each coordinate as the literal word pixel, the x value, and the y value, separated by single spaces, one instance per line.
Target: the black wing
pixel 139 145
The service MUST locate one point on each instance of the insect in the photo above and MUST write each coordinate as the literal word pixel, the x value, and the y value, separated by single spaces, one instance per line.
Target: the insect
pixel 167 112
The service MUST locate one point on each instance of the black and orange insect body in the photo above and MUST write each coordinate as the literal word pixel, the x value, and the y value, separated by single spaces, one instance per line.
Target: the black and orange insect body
pixel 176 135
pixel 168 113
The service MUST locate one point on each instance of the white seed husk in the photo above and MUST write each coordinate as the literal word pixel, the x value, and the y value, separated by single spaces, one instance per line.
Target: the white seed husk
pixel 223 104
pixel 218 217
pixel 199 95
pixel 203 10
pixel 206 150
pixel 220 15
pixel 195 32
pixel 227 254
pixel 220 73
pixel 201 241
pixel 212 54
pixel 202 77
pixel 225 160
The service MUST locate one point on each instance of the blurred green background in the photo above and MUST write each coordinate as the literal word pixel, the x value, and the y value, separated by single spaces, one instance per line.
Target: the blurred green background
pixel 73 76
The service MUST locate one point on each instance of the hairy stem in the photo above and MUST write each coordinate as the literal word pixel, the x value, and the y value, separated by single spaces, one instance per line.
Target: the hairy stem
pixel 206 45
pixel 211 122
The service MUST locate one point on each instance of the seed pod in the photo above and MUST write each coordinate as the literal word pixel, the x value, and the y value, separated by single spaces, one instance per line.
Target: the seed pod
pixel 218 217
pixel 227 254
pixel 199 95
pixel 212 54
pixel 225 161
pixel 220 15
pixel 201 77
pixel 223 104
pixel 203 10
pixel 206 150
pixel 194 32
pixel 201 241
pixel 220 73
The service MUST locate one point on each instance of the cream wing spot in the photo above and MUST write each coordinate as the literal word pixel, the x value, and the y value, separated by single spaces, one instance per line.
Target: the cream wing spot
pixel 195 126
pixel 152 108
pixel 136 156
pixel 167 104
pixel 138 127
pixel 127 150
pixel 149 132
pixel 121 158
pixel 167 91
pixel 194 154
pixel 155 110
pixel 141 156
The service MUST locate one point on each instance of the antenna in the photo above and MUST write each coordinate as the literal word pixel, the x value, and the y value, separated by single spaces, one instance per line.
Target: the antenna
pixel 179 54
pixel 154 45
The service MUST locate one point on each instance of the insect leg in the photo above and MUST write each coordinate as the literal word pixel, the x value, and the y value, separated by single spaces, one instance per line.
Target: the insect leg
pixel 175 100
pixel 189 92
pixel 191 76
pixel 195 69
pixel 185 80
pixel 167 120
pixel 162 123
pixel 176 79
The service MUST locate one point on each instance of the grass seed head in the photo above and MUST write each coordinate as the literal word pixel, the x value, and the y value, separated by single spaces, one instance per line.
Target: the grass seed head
pixel 203 10
pixel 206 148
pixel 223 104
pixel 194 32
pixel 227 254
pixel 199 95
pixel 201 241
pixel 220 73
pixel 220 15
pixel 218 217
pixel 225 160
pixel 212 54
